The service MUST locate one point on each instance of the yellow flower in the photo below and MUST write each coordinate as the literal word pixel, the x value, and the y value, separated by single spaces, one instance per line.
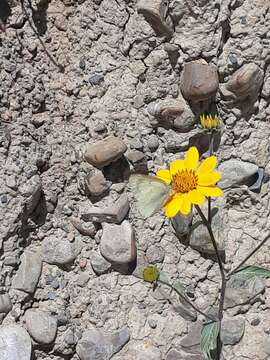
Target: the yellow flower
pixel 189 182
pixel 150 273
pixel 209 122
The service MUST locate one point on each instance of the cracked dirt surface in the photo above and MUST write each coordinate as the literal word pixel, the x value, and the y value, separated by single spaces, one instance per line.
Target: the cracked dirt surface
pixel 111 66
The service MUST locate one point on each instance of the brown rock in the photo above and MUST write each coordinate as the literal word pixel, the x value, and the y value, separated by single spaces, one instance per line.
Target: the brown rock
pixel 172 113
pixel 105 151
pixel 244 83
pixel 155 13
pixel 97 184
pixel 199 81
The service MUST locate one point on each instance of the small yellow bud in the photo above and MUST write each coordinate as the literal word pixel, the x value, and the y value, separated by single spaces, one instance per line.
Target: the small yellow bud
pixel 150 273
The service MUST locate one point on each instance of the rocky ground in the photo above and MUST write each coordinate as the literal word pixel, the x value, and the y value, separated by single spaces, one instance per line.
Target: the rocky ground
pixel 91 91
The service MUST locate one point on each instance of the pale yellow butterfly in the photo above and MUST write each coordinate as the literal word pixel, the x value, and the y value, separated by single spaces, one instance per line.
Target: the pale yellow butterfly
pixel 150 193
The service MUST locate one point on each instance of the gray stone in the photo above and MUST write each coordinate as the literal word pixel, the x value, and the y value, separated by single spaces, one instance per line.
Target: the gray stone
pixel 182 224
pixel 177 354
pixel 153 143
pixel 96 78
pixel 41 326
pixel 200 239
pixel 241 290
pixel 95 345
pixel 114 213
pixel 15 343
pixel 118 244
pixel 83 279
pixel 199 81
pixel 135 156
pixel 86 229
pixel 155 13
pixel 143 351
pixel 232 330
pixel 105 151
pixel 97 184
pixel 31 191
pixel 236 172
pixel 138 161
pixel 59 250
pixel 28 274
pixel 191 341
pixel 99 264
pixel 266 345
pixel 5 303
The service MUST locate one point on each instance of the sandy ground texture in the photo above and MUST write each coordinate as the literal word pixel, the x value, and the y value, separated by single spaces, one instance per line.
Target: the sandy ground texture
pixel 92 91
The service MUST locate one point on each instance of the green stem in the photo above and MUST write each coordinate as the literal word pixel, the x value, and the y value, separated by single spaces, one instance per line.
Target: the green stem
pixel 223 277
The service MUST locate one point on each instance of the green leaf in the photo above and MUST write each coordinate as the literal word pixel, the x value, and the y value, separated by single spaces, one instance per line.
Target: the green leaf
pixel 164 277
pixel 253 270
pixel 209 336
pixel 178 285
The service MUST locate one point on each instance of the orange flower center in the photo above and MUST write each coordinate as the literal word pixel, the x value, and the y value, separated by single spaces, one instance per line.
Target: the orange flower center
pixel 184 181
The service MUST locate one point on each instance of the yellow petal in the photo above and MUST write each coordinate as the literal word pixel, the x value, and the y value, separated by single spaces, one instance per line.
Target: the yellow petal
pixel 209 179
pixel 177 165
pixel 185 205
pixel 210 190
pixel 196 197
pixel 172 206
pixel 207 165
pixel 164 175
pixel 192 158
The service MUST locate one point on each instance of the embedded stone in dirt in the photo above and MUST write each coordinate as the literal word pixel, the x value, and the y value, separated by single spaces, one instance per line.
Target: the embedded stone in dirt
pixel 244 83
pixel 232 330
pixel 105 151
pixel 28 274
pixel 200 239
pixel 31 191
pixel 5 303
pixel 97 184
pixel 114 213
pixel 155 13
pixel 199 81
pixel 118 244
pixel 236 172
pixel 99 264
pixel 144 351
pixel 241 289
pixel 172 113
pixel 96 345
pixel 174 354
pixel 59 251
pixel 41 326
pixel 15 343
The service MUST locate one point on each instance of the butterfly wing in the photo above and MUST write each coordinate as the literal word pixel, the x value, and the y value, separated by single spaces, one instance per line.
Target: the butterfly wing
pixel 149 192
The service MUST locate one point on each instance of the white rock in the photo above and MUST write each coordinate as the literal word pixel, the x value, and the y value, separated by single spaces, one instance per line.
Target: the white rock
pixel 41 326
pixel 118 243
pixel 15 343
pixel 114 213
pixel 59 250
